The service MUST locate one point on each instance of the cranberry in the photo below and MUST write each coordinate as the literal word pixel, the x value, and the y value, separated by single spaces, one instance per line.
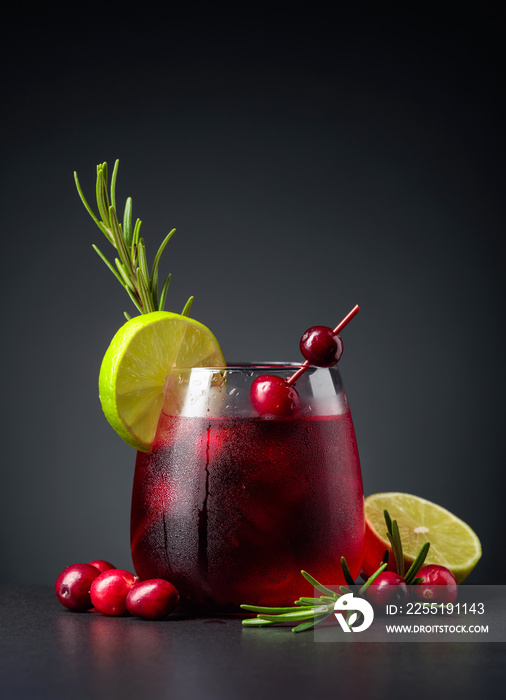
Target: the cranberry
pixel 153 599
pixel 109 591
pixel 438 586
pixel 387 588
pixel 272 396
pixel 321 346
pixel 73 586
pixel 102 565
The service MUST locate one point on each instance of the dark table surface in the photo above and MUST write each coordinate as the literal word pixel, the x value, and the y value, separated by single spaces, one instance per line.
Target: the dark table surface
pixel 48 652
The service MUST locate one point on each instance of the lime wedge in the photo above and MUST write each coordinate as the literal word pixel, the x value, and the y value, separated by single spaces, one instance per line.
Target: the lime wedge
pixel 137 367
pixel 452 542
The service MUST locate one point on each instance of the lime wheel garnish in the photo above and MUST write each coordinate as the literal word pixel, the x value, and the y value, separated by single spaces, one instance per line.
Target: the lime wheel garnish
pixel 136 370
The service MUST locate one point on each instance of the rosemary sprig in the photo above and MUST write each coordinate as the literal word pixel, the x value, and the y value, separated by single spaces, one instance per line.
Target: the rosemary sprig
pixel 394 536
pixel 411 576
pixel 395 540
pixel 347 574
pixel 130 266
pixel 311 611
pixel 372 578
pixel 307 611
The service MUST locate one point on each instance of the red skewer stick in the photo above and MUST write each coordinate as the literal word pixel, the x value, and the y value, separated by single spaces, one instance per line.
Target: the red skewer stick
pixel 346 319
pixel 291 380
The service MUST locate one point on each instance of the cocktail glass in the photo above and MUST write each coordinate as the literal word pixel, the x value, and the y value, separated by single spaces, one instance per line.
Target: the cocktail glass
pixel 229 506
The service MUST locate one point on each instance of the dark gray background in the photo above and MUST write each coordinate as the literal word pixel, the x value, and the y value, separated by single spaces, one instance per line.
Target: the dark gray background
pixel 309 161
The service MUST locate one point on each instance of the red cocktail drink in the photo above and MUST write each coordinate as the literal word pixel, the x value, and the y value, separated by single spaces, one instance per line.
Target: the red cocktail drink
pixel 230 506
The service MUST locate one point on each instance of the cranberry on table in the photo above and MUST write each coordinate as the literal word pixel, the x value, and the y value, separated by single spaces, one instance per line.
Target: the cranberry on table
pixel 110 589
pixel 321 346
pixel 152 599
pixel 102 565
pixel 438 585
pixel 73 586
pixel 388 588
pixel 272 396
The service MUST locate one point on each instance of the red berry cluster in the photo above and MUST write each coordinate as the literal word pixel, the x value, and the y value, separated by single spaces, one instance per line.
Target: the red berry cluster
pixel 438 586
pixel 112 591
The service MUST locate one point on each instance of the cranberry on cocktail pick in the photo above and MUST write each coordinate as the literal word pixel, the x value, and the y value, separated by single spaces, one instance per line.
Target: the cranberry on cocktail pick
pixel 152 599
pixel 272 396
pixel 321 346
pixel 110 589
pixel 73 586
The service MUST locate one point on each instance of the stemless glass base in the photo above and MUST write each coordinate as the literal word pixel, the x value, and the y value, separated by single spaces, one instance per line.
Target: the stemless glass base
pixel 230 506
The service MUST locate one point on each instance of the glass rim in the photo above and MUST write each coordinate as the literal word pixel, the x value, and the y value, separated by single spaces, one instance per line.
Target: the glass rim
pixel 288 366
